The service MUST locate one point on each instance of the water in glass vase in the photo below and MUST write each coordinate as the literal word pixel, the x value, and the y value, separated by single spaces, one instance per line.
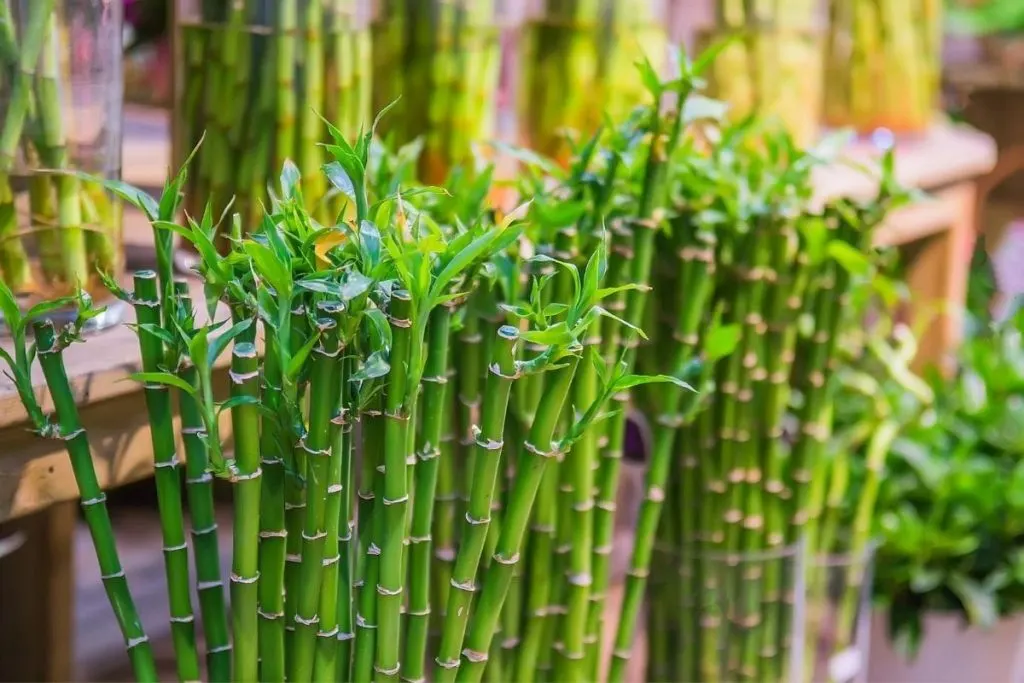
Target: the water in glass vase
pixel 60 113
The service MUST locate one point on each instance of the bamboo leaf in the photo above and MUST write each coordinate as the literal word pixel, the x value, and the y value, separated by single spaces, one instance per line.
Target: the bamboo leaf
pixel 853 260
pixel 558 334
pixel 170 198
pixel 138 198
pixel 721 341
pixel 236 401
pixel 9 308
pixel 376 365
pixel 595 271
pixel 269 267
pixel 604 312
pixel 630 381
pixel 44 308
pixel 160 332
pixel 290 179
pixel 339 179
pixel 219 344
pixel 165 379
pixel 354 284
pixel 298 360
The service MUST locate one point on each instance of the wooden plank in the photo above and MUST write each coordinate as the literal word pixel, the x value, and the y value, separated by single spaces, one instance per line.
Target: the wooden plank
pixel 36 594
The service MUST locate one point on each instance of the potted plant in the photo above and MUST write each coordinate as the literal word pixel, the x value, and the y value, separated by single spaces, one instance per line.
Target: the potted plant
pixel 950 566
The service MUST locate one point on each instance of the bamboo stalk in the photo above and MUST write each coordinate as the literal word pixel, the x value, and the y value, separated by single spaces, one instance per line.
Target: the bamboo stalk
pixel 168 480
pixel 94 506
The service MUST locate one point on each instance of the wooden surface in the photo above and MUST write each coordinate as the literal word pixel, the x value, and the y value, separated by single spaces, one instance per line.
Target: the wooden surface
pixel 35 472
pixel 36 587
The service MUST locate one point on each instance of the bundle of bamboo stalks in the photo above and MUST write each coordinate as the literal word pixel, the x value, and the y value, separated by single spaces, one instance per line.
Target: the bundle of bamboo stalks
pixel 428 404
pixel 772 65
pixel 60 100
pixel 442 58
pixel 256 78
pixel 883 64
pixel 746 248
pixel 477 358
pixel 576 63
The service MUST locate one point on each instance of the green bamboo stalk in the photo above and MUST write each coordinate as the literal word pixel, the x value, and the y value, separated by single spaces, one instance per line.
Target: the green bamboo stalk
pixel 428 451
pixel 273 534
pixel 371 531
pixel 94 506
pixel 146 301
pixel 502 372
pixel 199 489
pixel 396 492
pixel 334 596
pixel 324 390
pixel 346 530
pixel 245 540
pixel 541 450
pixel 294 492
pixel 286 115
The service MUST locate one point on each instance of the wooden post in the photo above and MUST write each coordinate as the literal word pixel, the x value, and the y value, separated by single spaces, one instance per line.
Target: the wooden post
pixel 37 596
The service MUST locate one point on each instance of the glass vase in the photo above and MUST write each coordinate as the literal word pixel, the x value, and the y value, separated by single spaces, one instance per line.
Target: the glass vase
pixel 60 107
pixel 716 617
pixel 439 62
pixel 576 62
pixel 253 79
pixel 883 65
pixel 774 72
pixel 838 628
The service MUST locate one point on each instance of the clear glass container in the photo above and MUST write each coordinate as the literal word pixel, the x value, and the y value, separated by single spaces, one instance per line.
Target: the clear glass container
pixel 773 71
pixel 254 77
pixel 883 65
pixel 441 61
pixel 717 617
pixel 838 630
pixel 576 61
pixel 60 111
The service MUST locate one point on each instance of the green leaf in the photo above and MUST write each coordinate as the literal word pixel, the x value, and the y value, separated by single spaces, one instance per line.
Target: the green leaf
pixel 269 267
pixel 376 365
pixel 160 333
pixel 979 604
pixel 236 401
pixel 131 194
pixel 354 284
pixel 630 381
pixel 709 54
pixel 721 341
pixel 339 179
pixel 165 379
pixel 604 312
pixel 221 342
pixel 558 334
pixel 298 360
pixel 9 309
pixel 853 260
pixel 650 79
pixel 290 179
pixel 593 275
pixel 44 308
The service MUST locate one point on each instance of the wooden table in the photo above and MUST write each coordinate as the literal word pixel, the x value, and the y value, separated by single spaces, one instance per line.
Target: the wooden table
pixel 35 476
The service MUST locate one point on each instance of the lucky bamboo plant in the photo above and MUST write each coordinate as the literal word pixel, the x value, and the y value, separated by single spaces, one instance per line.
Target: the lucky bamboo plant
pixel 883 64
pixel 777 273
pixel 343 341
pixel 772 65
pixel 441 60
pixel 54 232
pixel 255 78
pixel 576 63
